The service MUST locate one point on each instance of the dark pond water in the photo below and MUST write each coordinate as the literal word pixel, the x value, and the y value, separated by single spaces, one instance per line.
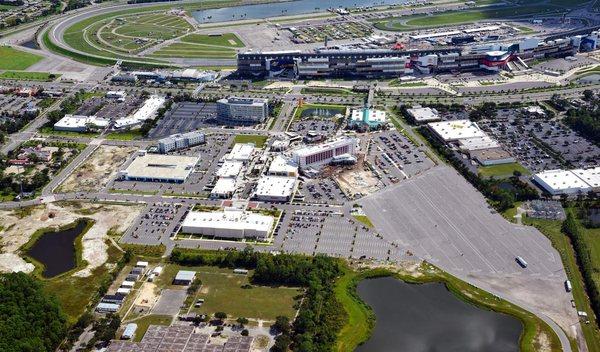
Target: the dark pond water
pixel 429 318
pixel 56 250
pixel 322 112
pixel 31 44
pixel 287 8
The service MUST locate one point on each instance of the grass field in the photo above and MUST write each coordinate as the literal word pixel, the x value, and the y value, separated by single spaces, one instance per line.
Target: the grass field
pixel 225 39
pixel 12 59
pixel 29 76
pixel 125 135
pixel 328 91
pixel 144 322
pixel 552 230
pixel 224 291
pixel 258 140
pixel 194 50
pixel 365 220
pixel 502 170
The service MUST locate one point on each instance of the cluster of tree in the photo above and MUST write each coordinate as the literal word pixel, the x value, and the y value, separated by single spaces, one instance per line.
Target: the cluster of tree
pixel 105 329
pixel 502 198
pixel 321 315
pixel 582 251
pixel 30 319
pixel 586 119
pixel 487 110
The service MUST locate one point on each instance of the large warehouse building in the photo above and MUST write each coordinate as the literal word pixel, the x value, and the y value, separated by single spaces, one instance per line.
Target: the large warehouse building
pixel 160 168
pixel 229 223
pixel 569 182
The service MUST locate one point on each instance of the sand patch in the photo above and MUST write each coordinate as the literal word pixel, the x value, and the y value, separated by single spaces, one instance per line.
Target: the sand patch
pixel 18 226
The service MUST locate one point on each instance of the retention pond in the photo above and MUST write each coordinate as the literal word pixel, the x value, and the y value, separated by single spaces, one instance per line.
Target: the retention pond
pixel 429 318
pixel 56 249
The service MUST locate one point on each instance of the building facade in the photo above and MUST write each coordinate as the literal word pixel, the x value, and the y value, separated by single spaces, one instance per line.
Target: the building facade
pixel 235 110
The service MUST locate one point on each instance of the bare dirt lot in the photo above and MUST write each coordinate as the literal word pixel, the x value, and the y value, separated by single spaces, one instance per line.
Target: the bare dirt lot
pixel 358 181
pixel 17 226
pixel 95 172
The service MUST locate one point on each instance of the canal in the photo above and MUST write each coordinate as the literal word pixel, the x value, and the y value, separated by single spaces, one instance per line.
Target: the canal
pixel 287 8
pixel 56 249
pixel 429 318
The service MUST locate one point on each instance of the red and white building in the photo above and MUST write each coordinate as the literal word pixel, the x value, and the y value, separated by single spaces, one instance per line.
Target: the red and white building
pixel 323 154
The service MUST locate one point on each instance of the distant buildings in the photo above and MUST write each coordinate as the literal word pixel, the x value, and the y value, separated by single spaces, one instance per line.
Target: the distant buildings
pixel 242 110
pixel 180 141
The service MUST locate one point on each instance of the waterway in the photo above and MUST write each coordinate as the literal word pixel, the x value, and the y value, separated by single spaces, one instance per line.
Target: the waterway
pixel 287 8
pixel 429 318
pixel 56 249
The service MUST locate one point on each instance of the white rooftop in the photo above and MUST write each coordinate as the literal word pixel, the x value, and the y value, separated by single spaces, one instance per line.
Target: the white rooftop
pixel 275 186
pixel 310 150
pixel 224 187
pixel 457 129
pixel 373 116
pixel 241 152
pixel 282 166
pixel 589 176
pixel 80 121
pixel 149 109
pixel 160 166
pixel 421 114
pixel 230 168
pixel 567 181
pixel 478 143
pixel 233 219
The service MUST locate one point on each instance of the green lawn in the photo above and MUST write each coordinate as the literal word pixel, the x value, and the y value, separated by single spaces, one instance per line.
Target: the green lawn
pixel 502 170
pixel 29 76
pixel 125 135
pixel 12 59
pixel 225 39
pixel 144 322
pixel 51 131
pixel 258 140
pixel 364 219
pixel 223 291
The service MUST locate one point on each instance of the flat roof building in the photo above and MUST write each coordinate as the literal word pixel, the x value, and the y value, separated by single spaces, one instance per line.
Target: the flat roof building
pixel 451 131
pixel 281 166
pixel 180 141
pixel 160 168
pixel 229 223
pixel 79 123
pixel 241 152
pixel 472 144
pixel 224 188
pixel 491 156
pixel 568 182
pixel 275 188
pixel 129 331
pixel 366 117
pixel 103 307
pixel 230 168
pixel 184 277
pixel 150 108
pixel 323 154
pixel 420 114
pixel 242 110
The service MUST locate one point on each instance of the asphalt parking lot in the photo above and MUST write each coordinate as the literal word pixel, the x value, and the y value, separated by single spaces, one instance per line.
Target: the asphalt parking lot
pixel 185 117
pixel 170 302
pixel 528 138
pixel 325 127
pixel 321 191
pixel 396 157
pixel 158 222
